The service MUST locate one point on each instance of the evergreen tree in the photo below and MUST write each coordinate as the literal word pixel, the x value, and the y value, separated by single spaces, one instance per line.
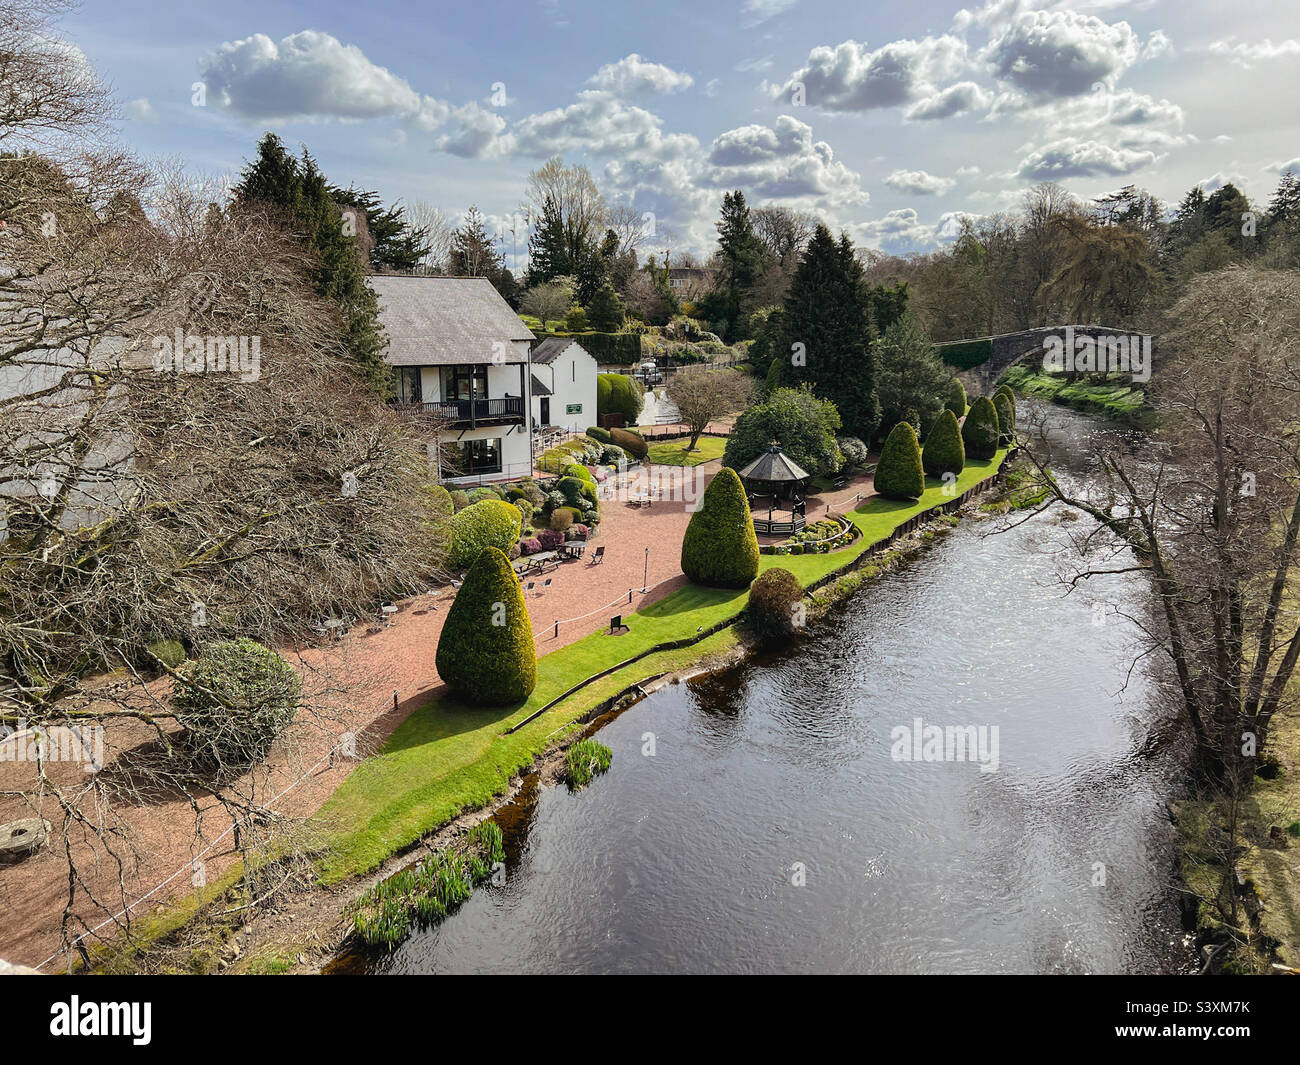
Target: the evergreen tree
pixel 474 255
pixel 606 311
pixel 299 192
pixel 828 332
pixel 740 263
pixel 397 247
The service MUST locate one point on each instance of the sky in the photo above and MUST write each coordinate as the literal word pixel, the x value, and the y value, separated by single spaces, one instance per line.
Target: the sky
pixel 890 120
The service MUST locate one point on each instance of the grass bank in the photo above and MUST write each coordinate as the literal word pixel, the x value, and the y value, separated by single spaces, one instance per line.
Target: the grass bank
pixel 674 453
pixel 1114 396
pixel 447 757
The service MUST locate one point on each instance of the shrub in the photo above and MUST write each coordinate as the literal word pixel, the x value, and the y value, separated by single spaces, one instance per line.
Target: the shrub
pixel 803 424
pixel 606 310
pixel 527 489
pixel 529 545
pixel 579 531
pixel 525 509
pixel 855 451
pixel 630 442
pixel 486 652
pixel 599 434
pixel 1006 418
pixel 562 518
pixel 575 489
pixel 575 469
pixel 980 431
pixel 612 455
pixel 944 451
pixel 774 600
pixel 254 698
pixel 477 495
pixel 550 539
pixel 170 653
pixel 625 396
pixel 490 523
pixel 899 474
pixel 720 548
pixel 459 499
pixel 955 401
pixel 576 320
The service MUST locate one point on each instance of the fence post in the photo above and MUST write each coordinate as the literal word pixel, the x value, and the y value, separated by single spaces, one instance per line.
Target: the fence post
pixel 557 628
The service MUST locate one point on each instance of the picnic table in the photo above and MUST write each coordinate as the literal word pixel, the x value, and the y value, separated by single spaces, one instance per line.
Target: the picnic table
pixel 538 563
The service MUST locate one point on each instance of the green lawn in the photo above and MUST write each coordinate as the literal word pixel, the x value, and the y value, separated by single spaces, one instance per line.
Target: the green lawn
pixel 448 757
pixel 674 453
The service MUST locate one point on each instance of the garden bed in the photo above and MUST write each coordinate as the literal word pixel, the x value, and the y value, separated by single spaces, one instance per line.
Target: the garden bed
pixel 821 537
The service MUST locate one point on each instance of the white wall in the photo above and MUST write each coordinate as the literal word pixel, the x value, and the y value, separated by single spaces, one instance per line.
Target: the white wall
pixel 572 381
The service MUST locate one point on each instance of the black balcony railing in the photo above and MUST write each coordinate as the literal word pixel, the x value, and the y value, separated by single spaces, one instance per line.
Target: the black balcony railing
pixel 478 411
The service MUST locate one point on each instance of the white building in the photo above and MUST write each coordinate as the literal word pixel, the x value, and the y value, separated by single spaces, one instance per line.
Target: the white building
pixel 461 353
pixel 564 385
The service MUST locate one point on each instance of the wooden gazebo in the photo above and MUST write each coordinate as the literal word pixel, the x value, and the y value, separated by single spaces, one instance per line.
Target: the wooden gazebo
pixel 776 475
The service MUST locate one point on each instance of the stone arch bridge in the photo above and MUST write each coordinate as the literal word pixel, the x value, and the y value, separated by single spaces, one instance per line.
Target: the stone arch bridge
pixel 1008 349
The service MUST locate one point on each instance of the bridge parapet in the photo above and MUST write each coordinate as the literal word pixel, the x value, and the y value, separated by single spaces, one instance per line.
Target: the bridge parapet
pixel 1010 348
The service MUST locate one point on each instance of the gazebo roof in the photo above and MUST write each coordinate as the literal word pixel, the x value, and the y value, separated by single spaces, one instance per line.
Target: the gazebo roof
pixel 774 466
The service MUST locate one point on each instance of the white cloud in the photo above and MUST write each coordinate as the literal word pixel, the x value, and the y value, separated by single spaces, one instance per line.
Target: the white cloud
pixel 851 77
pixel 1158 45
pixel 754 12
pixel 311 75
pixel 763 62
pixel 1051 54
pixel 476 134
pixel 1216 181
pixel 1247 55
pixel 903 231
pixel 1282 168
pixel 633 74
pixel 782 161
pixel 956 99
pixel 141 110
pixel 1070 158
pixel 918 183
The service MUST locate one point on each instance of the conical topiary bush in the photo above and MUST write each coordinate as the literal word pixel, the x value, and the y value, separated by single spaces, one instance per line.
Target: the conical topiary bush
pixel 980 431
pixel 1006 418
pixel 955 401
pixel 486 652
pixel 944 452
pixel 899 474
pixel 720 548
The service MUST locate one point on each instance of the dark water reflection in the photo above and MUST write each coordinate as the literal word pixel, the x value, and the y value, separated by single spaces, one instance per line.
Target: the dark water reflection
pixel 683 861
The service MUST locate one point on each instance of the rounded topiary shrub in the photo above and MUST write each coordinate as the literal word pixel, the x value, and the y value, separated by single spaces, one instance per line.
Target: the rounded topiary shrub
pixel 576 469
pixel 899 474
pixel 855 451
pixel 720 548
pixel 775 604
pixel 234 702
pixel 980 431
pixel 597 433
pixel 486 652
pixel 575 490
pixel 491 523
pixel 633 443
pixel 1006 418
pixel 944 451
pixel 562 518
pixel 955 401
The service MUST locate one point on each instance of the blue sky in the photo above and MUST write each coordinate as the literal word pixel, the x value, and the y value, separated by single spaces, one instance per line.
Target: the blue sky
pixel 889 120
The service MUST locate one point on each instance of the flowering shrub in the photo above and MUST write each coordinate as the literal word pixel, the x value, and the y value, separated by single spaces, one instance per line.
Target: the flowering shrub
pixel 530 546
pixel 549 539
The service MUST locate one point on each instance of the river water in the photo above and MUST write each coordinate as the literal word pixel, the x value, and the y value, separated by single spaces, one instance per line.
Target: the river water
pixel 757 819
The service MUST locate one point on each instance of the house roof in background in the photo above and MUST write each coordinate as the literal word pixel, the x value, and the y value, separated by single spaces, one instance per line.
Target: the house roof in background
pixel 446 321
pixel 552 348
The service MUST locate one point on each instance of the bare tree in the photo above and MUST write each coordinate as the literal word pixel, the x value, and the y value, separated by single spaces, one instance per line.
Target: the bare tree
pixel 439 233
pixel 701 395
pixel 550 301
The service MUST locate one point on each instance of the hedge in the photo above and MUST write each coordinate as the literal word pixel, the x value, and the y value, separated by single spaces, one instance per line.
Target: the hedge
pixel 980 431
pixel 899 474
pixel 720 549
pixel 608 349
pixel 963 354
pixel 258 693
pixel 597 433
pixel 490 523
pixel 956 398
pixel 944 451
pixel 621 395
pixel 774 600
pixel 633 443
pixel 486 652
pixel 575 489
pixel 1006 418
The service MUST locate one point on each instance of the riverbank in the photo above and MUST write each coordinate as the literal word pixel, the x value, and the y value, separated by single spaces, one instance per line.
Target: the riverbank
pixel 448 760
pixel 1114 396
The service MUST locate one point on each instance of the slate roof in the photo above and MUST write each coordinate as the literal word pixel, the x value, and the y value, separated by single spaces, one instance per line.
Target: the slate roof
pixel 446 321
pixel 551 349
pixel 540 389
pixel 774 465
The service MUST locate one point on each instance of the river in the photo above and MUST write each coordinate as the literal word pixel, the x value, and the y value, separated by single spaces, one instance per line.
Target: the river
pixel 756 819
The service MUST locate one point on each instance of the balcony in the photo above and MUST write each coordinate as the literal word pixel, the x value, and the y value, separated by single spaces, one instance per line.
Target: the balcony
pixel 508 410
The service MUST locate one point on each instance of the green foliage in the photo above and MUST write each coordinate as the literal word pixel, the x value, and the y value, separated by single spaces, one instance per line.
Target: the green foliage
pixel 170 653
pixel 944 451
pixel 776 374
pixel 234 701
pixel 459 498
pixel 911 379
pixel 826 312
pixel 963 354
pixel 633 443
pixel 490 523
pixel 1006 418
pixel 576 469
pixel 575 490
pixel 801 423
pixel 606 311
pixel 576 320
pixel 899 474
pixel 720 549
pixel 562 518
pixel 956 398
pixel 485 651
pixel 622 395
pixel 774 600
pixel 855 451
pixel 584 761
pixel 597 433
pixel 980 431
pixel 740 263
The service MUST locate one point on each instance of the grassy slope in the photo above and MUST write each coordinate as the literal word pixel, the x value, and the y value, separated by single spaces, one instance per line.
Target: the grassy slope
pixel 1115 397
pixel 447 757
pixel 672 453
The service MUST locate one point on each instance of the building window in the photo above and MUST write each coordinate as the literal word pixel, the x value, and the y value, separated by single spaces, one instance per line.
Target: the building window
pixel 476 457
pixel 458 382
pixel 408 384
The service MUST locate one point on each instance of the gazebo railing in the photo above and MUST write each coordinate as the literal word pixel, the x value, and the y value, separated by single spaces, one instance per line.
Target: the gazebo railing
pixel 784 526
